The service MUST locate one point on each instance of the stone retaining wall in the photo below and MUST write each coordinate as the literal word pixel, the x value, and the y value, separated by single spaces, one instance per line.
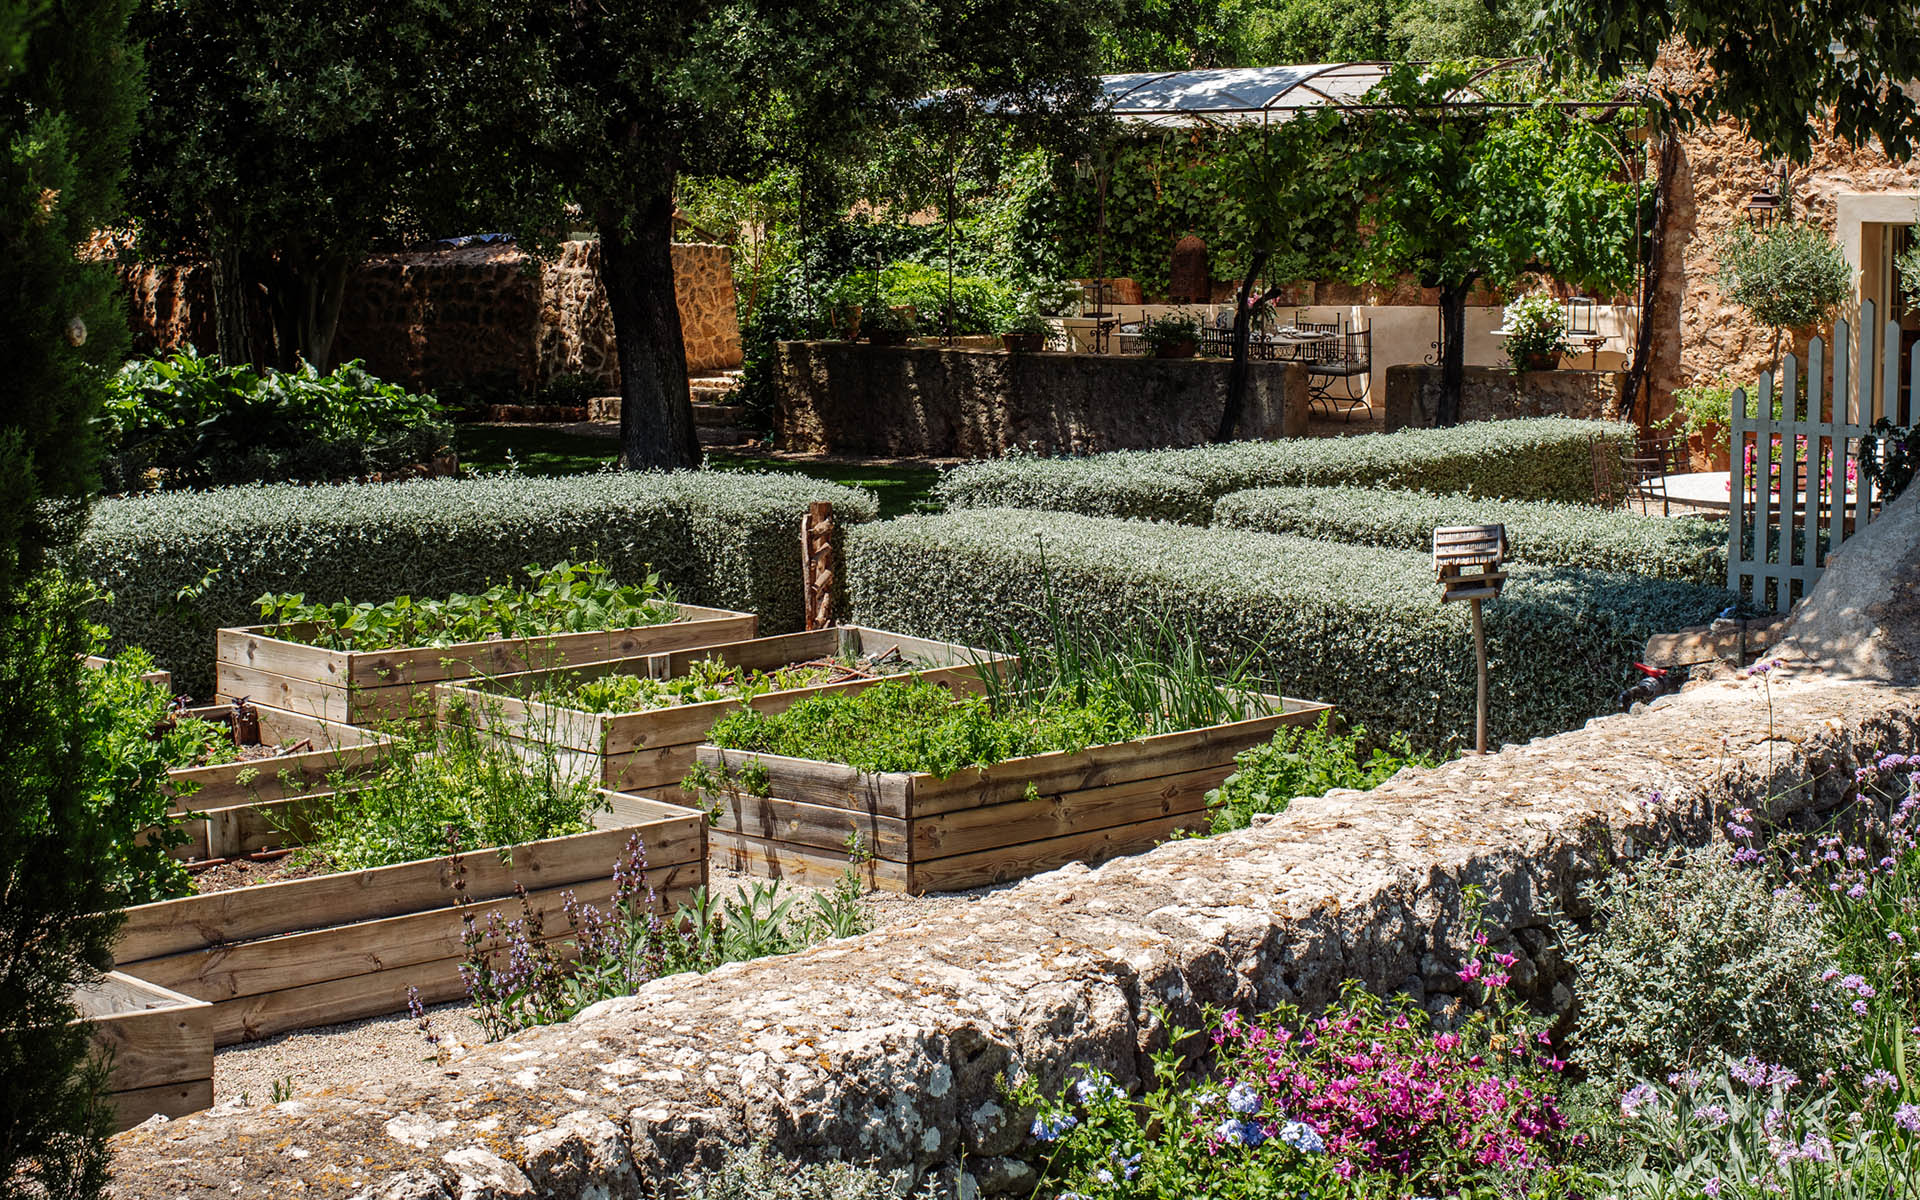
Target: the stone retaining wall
pixel 1497 393
pixel 887 1047
pixel 854 398
pixel 478 315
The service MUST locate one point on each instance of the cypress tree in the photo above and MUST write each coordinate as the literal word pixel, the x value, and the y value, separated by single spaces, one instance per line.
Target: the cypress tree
pixel 69 94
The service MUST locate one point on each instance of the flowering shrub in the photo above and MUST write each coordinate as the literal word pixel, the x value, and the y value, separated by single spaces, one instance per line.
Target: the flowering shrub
pixel 1366 1099
pixel 1693 956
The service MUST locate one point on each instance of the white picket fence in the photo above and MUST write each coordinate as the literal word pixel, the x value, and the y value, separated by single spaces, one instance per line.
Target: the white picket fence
pixel 1805 490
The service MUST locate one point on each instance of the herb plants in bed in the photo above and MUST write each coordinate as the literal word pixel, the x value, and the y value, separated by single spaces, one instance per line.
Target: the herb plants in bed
pixel 634 724
pixel 1086 748
pixel 358 663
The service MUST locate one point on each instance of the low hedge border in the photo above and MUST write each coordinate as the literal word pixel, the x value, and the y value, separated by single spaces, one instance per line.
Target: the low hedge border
pixel 1543 458
pixel 180 565
pixel 1538 531
pixel 1361 628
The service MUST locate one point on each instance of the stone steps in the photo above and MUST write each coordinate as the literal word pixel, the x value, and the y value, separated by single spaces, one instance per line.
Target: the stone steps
pixel 717 422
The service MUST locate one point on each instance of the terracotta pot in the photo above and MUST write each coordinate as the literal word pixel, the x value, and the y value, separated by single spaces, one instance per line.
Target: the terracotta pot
pixel 1023 343
pixel 1709 450
pixel 1541 360
pixel 1184 348
pixel 887 337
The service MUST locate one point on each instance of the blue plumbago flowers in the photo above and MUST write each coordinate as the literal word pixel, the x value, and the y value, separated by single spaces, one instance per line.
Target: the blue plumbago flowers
pixel 1239 1132
pixel 1095 1088
pixel 1243 1099
pixel 1303 1137
pixel 1053 1129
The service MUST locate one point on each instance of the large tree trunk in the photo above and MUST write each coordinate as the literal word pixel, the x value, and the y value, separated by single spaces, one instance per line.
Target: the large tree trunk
pixel 636 266
pixel 1453 351
pixel 305 294
pixel 1238 371
pixel 232 314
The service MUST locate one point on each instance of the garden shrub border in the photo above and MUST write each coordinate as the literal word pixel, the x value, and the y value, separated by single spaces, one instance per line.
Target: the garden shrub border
pixel 181 565
pixel 1541 458
pixel 1543 532
pixel 1358 627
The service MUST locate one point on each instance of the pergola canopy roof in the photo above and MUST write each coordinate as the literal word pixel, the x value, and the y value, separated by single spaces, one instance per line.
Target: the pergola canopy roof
pixel 1236 93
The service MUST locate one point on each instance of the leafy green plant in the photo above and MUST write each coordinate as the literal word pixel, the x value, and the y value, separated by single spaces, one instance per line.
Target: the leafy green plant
pixel 134 735
pixel 1169 331
pixel 459 787
pixel 188 420
pixel 706 680
pixel 755 1173
pixel 1306 761
pixel 1891 453
pixel 1535 326
pixel 564 598
pixel 1789 276
pixel 1705 409
pixel 884 318
pixel 1026 321
pixel 979 304
pixel 568 390
pixel 912 725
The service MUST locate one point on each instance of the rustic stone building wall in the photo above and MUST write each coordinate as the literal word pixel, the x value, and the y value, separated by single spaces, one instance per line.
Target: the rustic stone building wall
pixel 490 315
pixel 1699 334
pixel 854 398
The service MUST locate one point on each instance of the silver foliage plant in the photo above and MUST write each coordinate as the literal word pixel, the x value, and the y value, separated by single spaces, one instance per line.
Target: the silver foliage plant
pixel 756 1173
pixel 1692 958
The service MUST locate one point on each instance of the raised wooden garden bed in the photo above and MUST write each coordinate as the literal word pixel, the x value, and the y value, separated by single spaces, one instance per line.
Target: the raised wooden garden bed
pixel 980 825
pixel 650 752
pixel 331 948
pixel 251 805
pixel 362 686
pixel 161 1043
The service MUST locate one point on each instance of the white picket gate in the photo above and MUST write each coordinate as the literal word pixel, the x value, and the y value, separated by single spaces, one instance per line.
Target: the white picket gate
pixel 1796 486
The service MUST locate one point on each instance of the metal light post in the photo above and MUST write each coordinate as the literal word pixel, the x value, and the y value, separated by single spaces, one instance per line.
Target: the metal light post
pixel 1456 548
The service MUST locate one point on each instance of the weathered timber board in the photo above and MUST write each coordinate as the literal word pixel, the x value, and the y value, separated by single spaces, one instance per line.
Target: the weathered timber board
pixel 672 834
pixel 358 686
pixel 161 1043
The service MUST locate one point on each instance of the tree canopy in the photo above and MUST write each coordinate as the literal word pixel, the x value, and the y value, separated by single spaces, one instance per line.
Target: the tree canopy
pixel 1776 67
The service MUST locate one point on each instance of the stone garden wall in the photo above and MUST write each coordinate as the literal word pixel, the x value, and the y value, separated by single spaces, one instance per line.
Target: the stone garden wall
pixel 853 398
pixel 889 1047
pixel 1497 393
pixel 489 315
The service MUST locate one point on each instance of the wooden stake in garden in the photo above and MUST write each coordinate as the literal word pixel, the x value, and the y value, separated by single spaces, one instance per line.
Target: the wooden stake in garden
pixel 1456 549
pixel 817 563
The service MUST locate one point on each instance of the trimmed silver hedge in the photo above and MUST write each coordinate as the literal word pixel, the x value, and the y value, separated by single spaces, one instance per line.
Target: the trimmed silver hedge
pixel 1538 531
pixel 180 565
pixel 1544 458
pixel 1360 627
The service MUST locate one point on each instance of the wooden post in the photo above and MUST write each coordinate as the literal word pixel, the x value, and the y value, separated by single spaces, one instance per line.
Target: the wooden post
pixel 1480 694
pixel 817 562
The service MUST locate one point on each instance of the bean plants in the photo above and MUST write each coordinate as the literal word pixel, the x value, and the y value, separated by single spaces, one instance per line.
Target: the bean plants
pixel 1306 761
pixel 705 681
pixel 564 598
pixel 134 734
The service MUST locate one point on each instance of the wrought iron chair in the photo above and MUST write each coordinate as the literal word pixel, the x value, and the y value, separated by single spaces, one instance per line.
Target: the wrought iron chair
pixel 1339 363
pixel 1647 465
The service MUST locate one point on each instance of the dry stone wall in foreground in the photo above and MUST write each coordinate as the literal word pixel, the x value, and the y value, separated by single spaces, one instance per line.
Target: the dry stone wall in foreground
pixel 887 1047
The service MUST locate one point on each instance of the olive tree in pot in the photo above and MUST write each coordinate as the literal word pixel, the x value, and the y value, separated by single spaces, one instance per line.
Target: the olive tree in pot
pixel 1536 333
pixel 1175 335
pixel 1790 276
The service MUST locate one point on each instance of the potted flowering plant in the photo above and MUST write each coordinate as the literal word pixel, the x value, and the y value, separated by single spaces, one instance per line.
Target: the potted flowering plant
pixel 1025 332
pixel 886 326
pixel 1175 335
pixel 1703 413
pixel 1536 333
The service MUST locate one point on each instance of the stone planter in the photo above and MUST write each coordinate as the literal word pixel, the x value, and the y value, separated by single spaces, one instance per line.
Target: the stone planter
pixel 1184 348
pixel 358 687
pixel 651 751
pixel 332 948
pixel 977 826
pixel 1540 360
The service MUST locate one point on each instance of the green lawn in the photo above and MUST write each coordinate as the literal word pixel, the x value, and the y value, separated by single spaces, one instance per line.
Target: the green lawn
pixel 540 451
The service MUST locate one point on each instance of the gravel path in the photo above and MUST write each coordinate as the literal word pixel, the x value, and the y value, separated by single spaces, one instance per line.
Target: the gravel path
pixel 311 1062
